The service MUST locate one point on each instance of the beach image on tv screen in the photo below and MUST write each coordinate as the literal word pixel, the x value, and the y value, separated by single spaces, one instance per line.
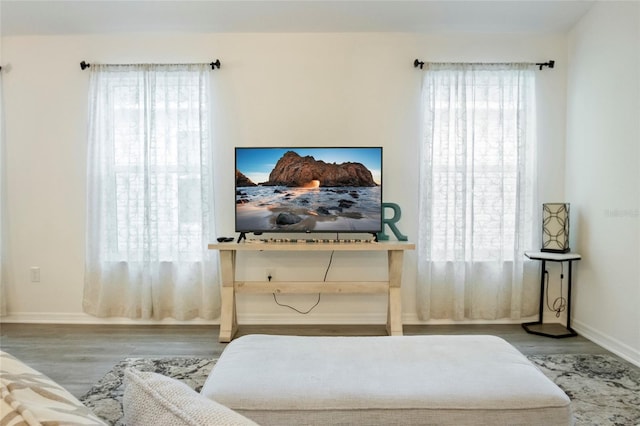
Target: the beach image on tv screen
pixel 308 189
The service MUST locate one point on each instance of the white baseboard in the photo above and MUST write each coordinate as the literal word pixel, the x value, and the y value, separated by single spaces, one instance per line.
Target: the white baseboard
pixel 613 345
pixel 248 318
pixel 412 319
pixel 243 318
pixel 80 318
pixel 258 319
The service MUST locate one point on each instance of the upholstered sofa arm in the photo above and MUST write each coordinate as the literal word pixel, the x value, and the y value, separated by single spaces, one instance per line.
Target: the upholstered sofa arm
pixel 28 397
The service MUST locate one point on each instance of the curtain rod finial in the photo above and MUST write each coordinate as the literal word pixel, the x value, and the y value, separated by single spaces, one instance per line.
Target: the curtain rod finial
pixel 84 65
pixel 551 63
pixel 418 63
pixel 215 64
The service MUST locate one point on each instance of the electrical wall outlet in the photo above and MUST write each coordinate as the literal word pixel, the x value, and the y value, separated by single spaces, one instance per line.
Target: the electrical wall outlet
pixel 270 274
pixel 34 274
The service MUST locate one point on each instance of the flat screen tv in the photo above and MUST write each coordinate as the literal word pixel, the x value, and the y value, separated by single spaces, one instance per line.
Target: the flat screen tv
pixel 304 190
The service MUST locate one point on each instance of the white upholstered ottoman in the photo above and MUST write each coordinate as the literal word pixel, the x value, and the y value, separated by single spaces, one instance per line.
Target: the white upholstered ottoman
pixel 401 380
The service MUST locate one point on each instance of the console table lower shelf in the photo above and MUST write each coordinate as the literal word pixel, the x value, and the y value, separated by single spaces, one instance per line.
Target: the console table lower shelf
pixel 230 287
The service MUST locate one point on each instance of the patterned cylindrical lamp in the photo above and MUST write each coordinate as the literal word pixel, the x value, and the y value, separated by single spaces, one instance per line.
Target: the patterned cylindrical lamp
pixel 555 227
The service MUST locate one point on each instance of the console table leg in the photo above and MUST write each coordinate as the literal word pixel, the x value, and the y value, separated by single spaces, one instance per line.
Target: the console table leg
pixel 394 311
pixel 228 322
pixel 228 317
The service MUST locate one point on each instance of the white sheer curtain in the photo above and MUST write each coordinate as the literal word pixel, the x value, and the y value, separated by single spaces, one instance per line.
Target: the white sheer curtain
pixel 477 192
pixel 3 293
pixel 150 200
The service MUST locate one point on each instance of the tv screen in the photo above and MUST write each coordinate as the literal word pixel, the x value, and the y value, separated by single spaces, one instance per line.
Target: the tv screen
pixel 325 189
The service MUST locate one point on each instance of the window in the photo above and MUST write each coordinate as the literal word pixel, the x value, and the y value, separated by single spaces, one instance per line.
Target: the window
pixel 157 170
pixel 477 186
pixel 477 162
pixel 149 194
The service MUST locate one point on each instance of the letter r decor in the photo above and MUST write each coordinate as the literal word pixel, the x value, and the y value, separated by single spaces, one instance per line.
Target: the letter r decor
pixel 391 222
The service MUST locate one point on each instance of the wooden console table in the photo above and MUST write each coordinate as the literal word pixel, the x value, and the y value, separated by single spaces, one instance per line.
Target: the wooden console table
pixel 228 251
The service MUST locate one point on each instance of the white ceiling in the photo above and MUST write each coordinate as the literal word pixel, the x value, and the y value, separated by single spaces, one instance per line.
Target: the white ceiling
pixel 24 17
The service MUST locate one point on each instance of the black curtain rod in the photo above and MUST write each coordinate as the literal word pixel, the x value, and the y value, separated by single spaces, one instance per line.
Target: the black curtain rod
pixel 417 63
pixel 84 65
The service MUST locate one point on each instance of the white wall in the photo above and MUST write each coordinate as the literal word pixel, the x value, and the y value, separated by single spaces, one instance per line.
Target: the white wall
pixel 602 177
pixel 272 90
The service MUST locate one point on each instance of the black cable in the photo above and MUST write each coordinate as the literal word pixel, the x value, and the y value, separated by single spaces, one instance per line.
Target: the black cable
pixel 560 302
pixel 326 272
pixel 295 309
pixel 328 266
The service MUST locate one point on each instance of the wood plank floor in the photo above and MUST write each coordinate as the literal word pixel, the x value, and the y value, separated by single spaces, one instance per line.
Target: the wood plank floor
pixel 77 356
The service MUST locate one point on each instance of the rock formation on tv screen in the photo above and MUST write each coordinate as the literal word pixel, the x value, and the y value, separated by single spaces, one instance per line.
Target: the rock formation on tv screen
pixel 294 171
pixel 242 180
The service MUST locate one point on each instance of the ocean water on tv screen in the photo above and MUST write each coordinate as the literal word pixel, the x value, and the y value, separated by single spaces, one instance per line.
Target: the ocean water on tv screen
pixel 319 209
